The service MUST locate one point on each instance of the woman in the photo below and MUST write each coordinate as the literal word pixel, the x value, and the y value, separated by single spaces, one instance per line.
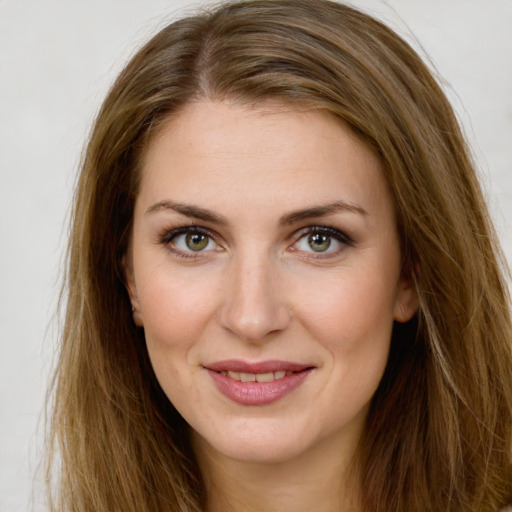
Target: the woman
pixel 284 290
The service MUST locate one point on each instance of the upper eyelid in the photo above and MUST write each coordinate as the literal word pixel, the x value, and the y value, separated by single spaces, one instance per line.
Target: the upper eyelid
pixel 328 230
pixel 168 234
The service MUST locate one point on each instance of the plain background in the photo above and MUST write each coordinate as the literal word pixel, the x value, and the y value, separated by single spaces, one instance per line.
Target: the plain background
pixel 57 59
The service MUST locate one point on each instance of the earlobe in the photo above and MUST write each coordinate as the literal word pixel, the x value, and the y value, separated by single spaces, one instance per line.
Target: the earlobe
pixel 131 288
pixel 406 304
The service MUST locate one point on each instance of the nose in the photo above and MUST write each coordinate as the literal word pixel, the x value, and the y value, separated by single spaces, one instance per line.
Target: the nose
pixel 254 305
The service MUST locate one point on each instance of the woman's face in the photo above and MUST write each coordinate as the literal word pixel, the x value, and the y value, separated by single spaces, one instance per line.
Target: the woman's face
pixel 265 270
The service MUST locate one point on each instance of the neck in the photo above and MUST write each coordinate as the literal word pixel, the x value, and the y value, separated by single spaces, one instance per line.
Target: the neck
pixel 320 479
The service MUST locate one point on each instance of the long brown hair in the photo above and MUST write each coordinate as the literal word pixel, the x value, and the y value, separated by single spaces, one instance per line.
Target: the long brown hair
pixel 439 432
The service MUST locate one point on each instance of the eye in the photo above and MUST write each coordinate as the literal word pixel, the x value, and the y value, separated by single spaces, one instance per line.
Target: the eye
pixel 322 240
pixel 194 241
pixel 189 241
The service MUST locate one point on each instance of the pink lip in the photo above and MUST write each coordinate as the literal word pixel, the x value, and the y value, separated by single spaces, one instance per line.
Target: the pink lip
pixel 257 393
pixel 237 365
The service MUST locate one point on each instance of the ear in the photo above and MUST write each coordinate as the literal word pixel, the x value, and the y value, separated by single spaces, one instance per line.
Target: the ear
pixel 406 304
pixel 131 287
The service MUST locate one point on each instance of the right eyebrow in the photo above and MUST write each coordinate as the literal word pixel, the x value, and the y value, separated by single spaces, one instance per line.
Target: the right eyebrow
pixel 188 210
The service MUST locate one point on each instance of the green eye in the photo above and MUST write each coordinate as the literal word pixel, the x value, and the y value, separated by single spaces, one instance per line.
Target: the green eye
pixel 190 242
pixel 319 242
pixel 196 241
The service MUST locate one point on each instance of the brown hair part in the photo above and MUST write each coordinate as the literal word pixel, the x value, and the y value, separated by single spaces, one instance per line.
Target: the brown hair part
pixel 439 432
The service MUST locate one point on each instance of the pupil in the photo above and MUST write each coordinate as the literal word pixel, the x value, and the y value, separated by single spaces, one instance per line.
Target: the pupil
pixel 196 241
pixel 319 242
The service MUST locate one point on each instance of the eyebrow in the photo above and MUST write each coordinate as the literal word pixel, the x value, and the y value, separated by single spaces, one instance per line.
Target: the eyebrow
pixel 322 211
pixel 197 212
pixel 188 210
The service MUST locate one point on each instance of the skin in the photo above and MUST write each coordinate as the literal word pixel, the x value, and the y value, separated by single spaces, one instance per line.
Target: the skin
pixel 258 291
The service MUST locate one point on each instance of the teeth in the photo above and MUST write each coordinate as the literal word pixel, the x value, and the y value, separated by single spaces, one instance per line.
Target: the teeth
pixel 257 377
pixel 265 377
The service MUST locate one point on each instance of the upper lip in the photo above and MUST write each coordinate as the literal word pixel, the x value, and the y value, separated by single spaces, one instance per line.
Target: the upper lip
pixel 238 365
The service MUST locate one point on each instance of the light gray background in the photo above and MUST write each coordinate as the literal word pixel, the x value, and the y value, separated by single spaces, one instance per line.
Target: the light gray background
pixel 57 59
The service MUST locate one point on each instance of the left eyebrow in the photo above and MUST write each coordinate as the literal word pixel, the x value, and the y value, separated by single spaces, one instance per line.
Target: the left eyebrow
pixel 321 211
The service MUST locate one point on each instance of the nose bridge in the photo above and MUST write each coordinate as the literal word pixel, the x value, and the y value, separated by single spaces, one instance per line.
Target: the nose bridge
pixel 254 304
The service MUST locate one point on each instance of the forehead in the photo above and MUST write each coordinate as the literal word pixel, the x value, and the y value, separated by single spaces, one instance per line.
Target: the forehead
pixel 219 151
pixel 246 121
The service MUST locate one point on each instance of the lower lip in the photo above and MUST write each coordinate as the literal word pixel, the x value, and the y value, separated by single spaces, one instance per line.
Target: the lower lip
pixel 258 393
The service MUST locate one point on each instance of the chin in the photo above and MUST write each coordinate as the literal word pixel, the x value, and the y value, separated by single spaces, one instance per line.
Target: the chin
pixel 257 443
pixel 260 452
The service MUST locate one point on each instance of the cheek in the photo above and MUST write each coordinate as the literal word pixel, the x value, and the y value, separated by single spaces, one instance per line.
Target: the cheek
pixel 351 311
pixel 176 309
pixel 353 322
pixel 173 321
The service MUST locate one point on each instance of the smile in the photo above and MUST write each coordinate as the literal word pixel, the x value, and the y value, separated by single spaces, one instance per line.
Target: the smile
pixel 257 383
pixel 256 377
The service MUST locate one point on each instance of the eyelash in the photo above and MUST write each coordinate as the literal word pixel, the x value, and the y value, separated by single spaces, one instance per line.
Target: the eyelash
pixel 167 237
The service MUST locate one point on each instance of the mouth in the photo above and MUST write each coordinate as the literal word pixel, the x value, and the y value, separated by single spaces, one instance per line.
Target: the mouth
pixel 257 383
pixel 257 368
pixel 256 377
